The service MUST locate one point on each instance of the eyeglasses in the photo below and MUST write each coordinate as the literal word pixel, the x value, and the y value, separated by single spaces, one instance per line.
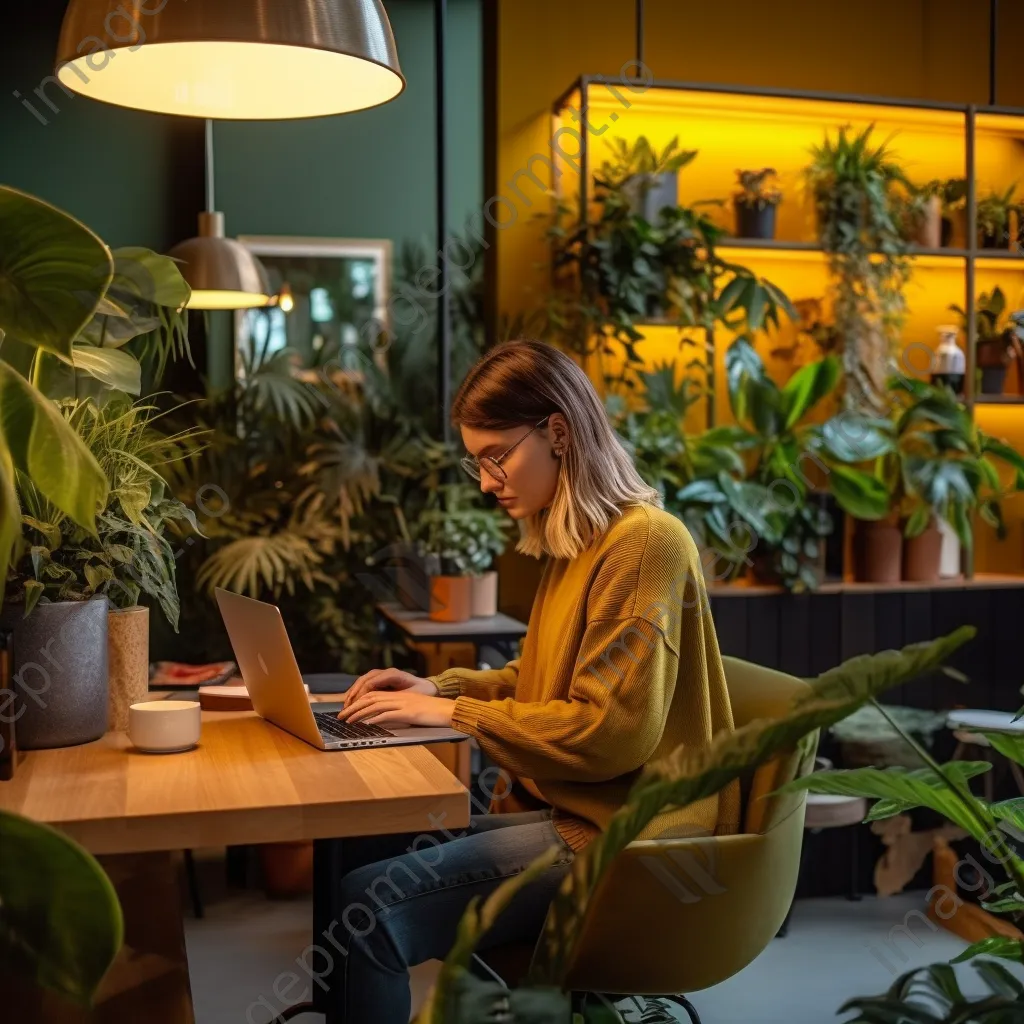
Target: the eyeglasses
pixel 491 464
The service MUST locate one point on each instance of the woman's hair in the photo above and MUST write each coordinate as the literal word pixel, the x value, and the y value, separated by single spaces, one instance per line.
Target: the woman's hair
pixel 518 384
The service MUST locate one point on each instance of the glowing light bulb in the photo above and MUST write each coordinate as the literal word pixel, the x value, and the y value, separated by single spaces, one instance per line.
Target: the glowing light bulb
pixel 285 299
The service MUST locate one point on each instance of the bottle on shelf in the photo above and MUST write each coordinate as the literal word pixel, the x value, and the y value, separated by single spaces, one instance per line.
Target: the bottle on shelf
pixel 950 365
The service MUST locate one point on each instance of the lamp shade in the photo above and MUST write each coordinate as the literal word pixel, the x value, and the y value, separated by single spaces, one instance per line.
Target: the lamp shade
pixel 221 272
pixel 231 59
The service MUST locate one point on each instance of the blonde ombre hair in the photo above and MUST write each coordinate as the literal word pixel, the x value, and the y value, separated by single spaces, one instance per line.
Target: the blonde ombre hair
pixel 518 384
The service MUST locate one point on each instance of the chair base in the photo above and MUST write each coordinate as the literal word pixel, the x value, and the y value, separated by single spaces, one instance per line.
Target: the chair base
pixel 579 1000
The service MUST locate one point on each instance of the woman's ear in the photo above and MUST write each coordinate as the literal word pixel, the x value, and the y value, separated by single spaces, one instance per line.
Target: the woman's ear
pixel 558 434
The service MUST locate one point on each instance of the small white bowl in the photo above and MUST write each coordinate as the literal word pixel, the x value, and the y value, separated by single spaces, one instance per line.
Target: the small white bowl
pixel 164 726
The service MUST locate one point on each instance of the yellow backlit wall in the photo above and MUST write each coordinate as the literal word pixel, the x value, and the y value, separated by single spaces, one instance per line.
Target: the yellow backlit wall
pixel 930 49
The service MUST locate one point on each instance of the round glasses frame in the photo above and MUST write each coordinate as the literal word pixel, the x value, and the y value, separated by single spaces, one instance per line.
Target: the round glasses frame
pixel 491 464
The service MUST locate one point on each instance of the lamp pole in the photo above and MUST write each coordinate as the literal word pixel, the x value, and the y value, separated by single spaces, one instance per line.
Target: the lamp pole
pixel 444 313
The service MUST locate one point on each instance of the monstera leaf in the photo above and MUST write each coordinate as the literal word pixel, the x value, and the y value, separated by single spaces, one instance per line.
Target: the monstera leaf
pixel 53 273
pixel 37 441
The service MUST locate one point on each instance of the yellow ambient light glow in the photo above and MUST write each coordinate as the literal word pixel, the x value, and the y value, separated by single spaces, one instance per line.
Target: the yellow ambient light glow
pixel 201 299
pixel 232 80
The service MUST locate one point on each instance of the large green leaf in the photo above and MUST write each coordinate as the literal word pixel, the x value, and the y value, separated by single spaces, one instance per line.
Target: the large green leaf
pixel 53 273
pixel 687 775
pixel 862 495
pixel 143 280
pixel 897 789
pixel 60 922
pixel 994 945
pixel 850 436
pixel 45 447
pixel 1009 745
pixel 808 386
pixel 118 370
pixel 10 513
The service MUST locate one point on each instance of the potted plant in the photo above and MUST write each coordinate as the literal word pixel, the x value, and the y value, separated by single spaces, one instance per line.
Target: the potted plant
pixel 953 196
pixel 936 469
pixel 794 459
pixel 993 214
pixel 755 203
pixel 94 322
pixel 924 214
pixel 699 476
pixel 129 557
pixel 998 338
pixel 649 179
pixel 856 187
pixel 459 541
pixel 617 271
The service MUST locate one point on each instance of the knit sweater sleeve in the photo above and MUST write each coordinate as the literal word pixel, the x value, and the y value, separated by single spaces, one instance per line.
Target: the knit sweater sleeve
pixel 481 684
pixel 611 723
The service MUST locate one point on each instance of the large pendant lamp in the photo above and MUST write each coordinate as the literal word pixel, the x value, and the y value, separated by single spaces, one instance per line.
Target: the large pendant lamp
pixel 222 273
pixel 231 59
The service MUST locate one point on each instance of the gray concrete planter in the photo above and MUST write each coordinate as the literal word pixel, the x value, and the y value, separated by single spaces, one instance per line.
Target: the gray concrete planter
pixel 60 673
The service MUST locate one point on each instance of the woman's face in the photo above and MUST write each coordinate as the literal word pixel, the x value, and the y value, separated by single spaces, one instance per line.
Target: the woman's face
pixel 525 478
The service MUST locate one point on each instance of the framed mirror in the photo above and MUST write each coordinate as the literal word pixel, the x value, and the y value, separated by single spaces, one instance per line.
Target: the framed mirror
pixel 329 292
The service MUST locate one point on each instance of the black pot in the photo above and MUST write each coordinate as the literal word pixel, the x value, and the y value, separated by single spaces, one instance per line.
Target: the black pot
pixel 754 221
pixel 946 233
pixel 954 381
pixel 60 673
pixel 994 240
pixel 993 380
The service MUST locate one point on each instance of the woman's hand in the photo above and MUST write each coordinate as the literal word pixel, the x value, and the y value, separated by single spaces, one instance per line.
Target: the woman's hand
pixel 388 679
pixel 399 707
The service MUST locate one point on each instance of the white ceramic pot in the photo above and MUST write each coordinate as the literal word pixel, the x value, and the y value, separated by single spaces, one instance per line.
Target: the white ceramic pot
pixel 128 662
pixel 949 560
pixel 485 595
pixel 164 726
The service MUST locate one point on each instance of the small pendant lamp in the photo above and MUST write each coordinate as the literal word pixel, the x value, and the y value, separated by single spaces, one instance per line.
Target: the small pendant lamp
pixel 222 273
pixel 231 59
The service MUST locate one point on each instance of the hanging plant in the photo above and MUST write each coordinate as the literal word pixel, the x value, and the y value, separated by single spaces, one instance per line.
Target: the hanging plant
pixel 860 210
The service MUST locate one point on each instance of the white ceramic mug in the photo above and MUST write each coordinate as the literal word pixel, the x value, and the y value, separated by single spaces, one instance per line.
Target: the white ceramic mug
pixel 164 726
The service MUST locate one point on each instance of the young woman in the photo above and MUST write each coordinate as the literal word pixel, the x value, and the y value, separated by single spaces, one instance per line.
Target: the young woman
pixel 620 666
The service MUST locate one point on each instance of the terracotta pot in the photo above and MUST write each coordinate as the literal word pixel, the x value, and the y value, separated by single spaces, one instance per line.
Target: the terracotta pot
pixel 922 555
pixel 128 661
pixel 451 598
pixel 877 552
pixel 287 869
pixel 485 595
pixel 929 230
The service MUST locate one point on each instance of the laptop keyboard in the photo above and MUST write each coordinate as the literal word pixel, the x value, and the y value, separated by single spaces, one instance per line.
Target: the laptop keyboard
pixel 328 723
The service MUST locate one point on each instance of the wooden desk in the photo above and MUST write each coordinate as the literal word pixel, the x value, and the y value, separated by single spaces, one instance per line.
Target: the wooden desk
pixel 246 782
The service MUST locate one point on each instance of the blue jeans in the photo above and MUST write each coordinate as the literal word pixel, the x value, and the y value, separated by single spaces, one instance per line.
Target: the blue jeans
pixel 395 908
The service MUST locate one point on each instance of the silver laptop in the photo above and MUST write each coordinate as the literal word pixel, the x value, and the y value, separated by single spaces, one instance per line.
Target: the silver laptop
pixel 271 675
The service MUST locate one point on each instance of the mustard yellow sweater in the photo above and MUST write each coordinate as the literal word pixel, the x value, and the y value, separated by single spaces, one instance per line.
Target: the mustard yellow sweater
pixel 620 665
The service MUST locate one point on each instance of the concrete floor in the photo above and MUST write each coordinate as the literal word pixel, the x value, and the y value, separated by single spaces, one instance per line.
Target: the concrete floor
pixel 835 949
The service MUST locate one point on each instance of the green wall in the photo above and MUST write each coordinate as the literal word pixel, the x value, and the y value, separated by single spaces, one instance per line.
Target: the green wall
pixel 368 174
pixel 137 178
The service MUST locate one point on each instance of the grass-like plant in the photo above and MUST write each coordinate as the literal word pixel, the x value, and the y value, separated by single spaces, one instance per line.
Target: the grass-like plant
pixel 129 554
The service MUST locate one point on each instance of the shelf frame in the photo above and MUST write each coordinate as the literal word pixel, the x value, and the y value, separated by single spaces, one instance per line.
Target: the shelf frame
pixel 970 114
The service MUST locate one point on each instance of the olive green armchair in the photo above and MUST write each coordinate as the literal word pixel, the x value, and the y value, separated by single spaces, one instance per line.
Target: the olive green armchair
pixel 680 915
